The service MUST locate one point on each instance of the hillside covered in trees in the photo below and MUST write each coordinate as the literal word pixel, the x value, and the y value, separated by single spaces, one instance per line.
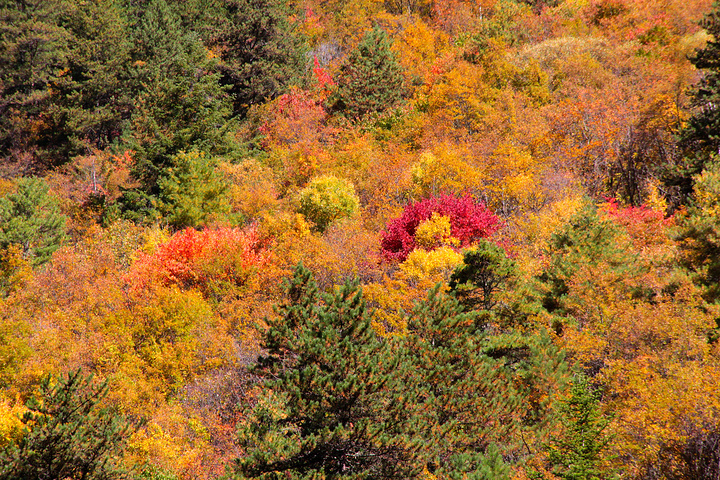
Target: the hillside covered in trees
pixel 359 239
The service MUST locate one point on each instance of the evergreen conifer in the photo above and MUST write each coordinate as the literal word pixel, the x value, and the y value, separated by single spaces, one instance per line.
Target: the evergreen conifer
pixel 261 53
pixel 700 139
pixel 576 454
pixel 323 411
pixel 31 218
pixel 462 402
pixel 699 238
pixel 371 78
pixel 68 435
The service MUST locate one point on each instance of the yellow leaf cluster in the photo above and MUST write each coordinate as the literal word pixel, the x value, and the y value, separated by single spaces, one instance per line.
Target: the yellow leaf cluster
pixel 513 175
pixel 437 264
pixel 10 424
pixel 445 170
pixel 252 187
pixel 419 47
pixel 435 232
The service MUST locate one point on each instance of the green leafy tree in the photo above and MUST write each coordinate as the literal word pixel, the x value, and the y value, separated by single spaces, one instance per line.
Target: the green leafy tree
pixel 323 411
pixel 31 218
pixel 68 435
pixel 261 52
pixel 371 78
pixel 327 199
pixel 577 453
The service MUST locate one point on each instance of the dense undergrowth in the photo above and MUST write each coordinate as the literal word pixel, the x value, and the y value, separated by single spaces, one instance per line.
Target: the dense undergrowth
pixel 435 239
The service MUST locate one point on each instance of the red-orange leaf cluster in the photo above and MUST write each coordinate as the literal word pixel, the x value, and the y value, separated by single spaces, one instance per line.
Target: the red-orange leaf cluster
pixel 644 225
pixel 193 258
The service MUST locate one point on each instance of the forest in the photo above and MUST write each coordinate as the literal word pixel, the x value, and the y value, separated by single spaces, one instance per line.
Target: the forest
pixel 359 239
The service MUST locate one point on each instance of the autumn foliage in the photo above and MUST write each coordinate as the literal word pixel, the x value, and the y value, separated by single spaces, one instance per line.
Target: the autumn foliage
pixel 469 221
pixel 204 259
pixel 526 193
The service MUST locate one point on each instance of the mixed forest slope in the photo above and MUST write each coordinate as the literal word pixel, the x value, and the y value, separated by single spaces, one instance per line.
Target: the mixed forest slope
pixel 435 239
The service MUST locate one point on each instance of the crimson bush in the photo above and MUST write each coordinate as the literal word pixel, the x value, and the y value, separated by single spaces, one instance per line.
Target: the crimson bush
pixel 469 221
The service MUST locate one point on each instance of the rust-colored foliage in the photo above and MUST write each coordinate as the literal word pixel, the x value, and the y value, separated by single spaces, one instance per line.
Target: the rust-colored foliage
pixel 209 260
pixel 294 117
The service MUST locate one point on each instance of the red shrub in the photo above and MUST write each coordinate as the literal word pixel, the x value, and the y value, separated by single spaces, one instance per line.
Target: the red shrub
pixel 202 259
pixel 322 76
pixel 644 225
pixel 469 221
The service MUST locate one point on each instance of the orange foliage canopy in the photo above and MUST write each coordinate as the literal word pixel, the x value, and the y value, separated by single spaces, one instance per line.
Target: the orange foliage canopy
pixel 203 259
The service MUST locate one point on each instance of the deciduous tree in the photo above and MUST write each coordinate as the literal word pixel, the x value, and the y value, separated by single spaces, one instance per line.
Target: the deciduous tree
pixel 327 199
pixel 469 221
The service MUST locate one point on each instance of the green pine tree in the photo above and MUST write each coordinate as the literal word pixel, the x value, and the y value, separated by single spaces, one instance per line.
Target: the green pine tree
pixel 486 270
pixel 532 368
pixel 463 403
pixel 65 76
pixel 371 78
pixel 33 52
pixel 587 239
pixel 193 192
pixel 699 239
pixel 323 410
pixel 181 107
pixel 577 453
pixel 92 98
pixel 30 218
pixel 68 435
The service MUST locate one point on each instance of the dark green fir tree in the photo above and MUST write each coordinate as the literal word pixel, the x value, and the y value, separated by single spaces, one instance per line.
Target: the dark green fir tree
pixel 93 97
pixel 260 50
pixel 577 453
pixel 371 79
pixel 181 107
pixel 463 403
pixel 700 139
